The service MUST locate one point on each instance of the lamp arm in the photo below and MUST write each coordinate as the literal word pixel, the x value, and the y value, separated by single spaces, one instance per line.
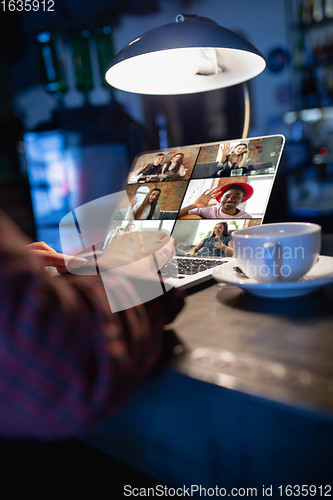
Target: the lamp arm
pixel 246 96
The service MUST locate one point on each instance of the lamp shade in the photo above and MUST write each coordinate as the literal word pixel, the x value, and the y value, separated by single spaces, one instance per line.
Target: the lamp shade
pixel 190 55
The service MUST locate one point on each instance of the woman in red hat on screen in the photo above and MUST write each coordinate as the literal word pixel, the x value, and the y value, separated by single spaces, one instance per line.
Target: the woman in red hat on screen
pixel 228 196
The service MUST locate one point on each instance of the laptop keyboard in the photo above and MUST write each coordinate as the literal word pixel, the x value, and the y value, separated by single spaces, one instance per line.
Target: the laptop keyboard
pixel 180 266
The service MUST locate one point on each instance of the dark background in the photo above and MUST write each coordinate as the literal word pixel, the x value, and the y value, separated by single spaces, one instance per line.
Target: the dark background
pixel 296 79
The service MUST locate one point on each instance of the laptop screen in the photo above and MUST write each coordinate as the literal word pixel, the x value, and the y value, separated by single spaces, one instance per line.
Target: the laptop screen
pixel 189 190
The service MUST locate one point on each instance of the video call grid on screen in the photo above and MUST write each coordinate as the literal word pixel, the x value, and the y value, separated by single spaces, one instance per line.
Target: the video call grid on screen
pixel 163 183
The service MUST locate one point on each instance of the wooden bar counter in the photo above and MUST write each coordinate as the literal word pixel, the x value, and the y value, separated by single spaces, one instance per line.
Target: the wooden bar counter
pixel 246 400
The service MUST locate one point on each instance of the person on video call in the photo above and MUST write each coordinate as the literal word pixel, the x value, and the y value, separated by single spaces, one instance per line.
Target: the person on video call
pixel 174 169
pixel 151 169
pixel 147 209
pixel 228 196
pixel 217 244
pixel 232 159
pixel 66 359
pixel 130 227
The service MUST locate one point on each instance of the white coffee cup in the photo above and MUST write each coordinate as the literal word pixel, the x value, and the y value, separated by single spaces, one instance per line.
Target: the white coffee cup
pixel 277 252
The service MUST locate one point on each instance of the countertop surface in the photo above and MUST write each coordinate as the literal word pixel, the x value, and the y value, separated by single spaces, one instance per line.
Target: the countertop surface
pixel 247 398
pixel 279 349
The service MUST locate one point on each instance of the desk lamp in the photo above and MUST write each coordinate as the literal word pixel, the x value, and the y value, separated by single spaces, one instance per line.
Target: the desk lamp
pixel 192 54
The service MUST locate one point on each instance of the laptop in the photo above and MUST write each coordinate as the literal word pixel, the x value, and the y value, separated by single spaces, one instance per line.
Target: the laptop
pixel 175 209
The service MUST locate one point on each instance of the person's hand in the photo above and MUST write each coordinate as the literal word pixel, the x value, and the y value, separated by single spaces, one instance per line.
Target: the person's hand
pixel 191 252
pixel 225 148
pixel 218 244
pixel 47 256
pixel 134 201
pixel 204 200
pixel 228 251
pixel 138 254
pixel 137 257
pixel 245 155
pixel 182 170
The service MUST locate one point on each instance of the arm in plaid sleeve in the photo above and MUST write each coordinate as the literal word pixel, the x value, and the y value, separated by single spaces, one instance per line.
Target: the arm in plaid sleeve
pixel 66 361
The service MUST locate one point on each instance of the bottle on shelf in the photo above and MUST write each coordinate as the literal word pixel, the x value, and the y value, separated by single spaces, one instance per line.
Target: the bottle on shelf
pixel 82 60
pixel 306 12
pixel 309 94
pixel 105 50
pixel 328 9
pixel 53 72
pixel 317 11
pixel 299 55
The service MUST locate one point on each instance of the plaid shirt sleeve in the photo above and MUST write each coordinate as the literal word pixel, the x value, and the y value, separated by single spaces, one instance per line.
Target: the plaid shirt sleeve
pixel 67 361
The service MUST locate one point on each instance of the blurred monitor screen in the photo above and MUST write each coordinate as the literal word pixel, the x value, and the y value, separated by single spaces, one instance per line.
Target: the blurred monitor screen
pixel 303 189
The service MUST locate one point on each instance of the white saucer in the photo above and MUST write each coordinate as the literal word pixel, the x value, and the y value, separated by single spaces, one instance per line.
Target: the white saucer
pixel 319 275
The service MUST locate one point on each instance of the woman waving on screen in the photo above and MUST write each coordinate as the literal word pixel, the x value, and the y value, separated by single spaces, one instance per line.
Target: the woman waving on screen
pixel 147 209
pixel 217 244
